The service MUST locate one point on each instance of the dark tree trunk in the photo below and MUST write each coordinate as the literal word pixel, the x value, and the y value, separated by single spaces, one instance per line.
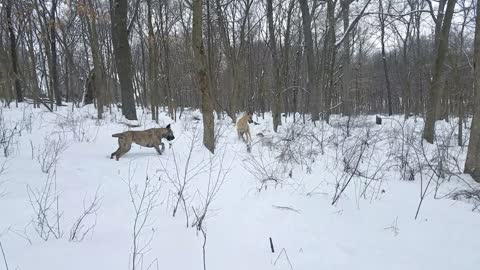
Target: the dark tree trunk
pixel 53 50
pixel 13 52
pixel 123 56
pixel 311 82
pixel 277 120
pixel 472 164
pixel 202 77
pixel 436 89
pixel 382 18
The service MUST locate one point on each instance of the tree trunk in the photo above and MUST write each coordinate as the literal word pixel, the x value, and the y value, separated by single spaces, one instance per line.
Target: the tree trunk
pixel 436 89
pixel 13 52
pixel 472 164
pixel 311 82
pixel 98 69
pixel 53 50
pixel 277 120
pixel 202 77
pixel 123 56
pixel 381 17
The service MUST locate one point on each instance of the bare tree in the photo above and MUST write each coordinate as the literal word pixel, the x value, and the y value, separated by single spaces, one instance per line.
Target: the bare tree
pixel 123 56
pixel 472 164
pixel 203 78
pixel 311 81
pixel 382 19
pixel 277 120
pixel 436 84
pixel 53 49
pixel 13 51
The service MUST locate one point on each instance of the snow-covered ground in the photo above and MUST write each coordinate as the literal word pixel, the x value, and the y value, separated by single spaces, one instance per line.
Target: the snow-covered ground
pixel 284 189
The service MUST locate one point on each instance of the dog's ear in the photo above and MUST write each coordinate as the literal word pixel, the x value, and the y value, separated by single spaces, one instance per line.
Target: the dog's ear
pixel 168 126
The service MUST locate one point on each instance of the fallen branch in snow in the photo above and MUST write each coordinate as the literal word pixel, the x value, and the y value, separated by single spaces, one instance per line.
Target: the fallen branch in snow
pixel 286 208
pixel 472 195
pixel 271 245
pixel 283 251
pixel 4 256
pixel 393 227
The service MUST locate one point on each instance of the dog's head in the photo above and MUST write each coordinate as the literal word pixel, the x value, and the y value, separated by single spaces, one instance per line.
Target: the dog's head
pixel 249 116
pixel 169 135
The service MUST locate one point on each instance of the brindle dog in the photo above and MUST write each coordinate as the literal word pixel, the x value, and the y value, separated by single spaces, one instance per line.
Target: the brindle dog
pixel 243 128
pixel 147 138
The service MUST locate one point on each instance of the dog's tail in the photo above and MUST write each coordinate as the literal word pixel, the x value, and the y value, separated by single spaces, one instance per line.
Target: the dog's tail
pixel 117 135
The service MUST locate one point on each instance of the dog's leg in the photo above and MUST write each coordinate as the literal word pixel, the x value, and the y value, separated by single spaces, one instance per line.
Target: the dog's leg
pixel 163 146
pixel 120 140
pixel 123 150
pixel 158 149
pixel 249 136
pixel 240 134
pixel 114 153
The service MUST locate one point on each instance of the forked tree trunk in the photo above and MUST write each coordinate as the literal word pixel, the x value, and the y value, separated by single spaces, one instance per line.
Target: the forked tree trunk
pixel 202 77
pixel 436 89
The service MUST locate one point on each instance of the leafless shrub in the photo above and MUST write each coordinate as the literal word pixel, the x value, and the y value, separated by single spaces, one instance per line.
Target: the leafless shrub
pixel 217 174
pixel 9 133
pixel 144 198
pixel 49 154
pixel 265 170
pixel 84 224
pixel 77 126
pixel 361 164
pixel 3 168
pixel 46 207
pixel 185 170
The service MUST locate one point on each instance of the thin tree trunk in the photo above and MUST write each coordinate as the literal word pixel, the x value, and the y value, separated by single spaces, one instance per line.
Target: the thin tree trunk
pixel 277 120
pixel 53 51
pixel 381 17
pixel 98 68
pixel 202 77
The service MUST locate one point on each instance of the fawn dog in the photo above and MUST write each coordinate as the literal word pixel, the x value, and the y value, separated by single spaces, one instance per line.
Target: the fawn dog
pixel 243 128
pixel 147 138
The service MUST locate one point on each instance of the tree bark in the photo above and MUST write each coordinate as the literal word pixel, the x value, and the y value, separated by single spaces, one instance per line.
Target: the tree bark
pixel 123 56
pixel 381 17
pixel 98 69
pixel 13 52
pixel 53 50
pixel 311 82
pixel 472 164
pixel 202 77
pixel 436 89
pixel 277 120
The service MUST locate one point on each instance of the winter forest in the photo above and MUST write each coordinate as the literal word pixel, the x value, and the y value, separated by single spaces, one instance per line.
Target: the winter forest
pixel 239 134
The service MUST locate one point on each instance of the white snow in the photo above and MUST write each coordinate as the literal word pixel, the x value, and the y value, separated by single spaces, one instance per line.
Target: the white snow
pixel 374 230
